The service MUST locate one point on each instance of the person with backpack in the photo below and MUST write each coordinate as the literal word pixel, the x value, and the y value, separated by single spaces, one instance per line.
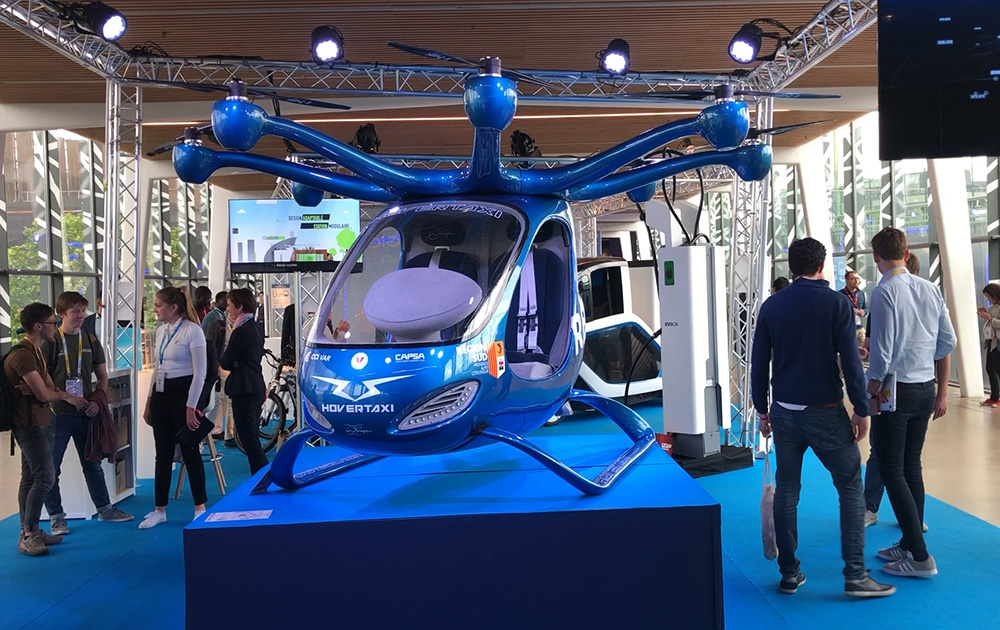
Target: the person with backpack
pixel 74 359
pixel 28 390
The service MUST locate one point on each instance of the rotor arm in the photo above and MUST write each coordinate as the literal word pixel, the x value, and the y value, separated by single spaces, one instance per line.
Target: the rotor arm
pixel 401 180
pixel 194 164
pixel 725 125
pixel 751 162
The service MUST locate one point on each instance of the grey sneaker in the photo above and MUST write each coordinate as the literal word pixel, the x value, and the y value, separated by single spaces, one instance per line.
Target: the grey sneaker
pixel 908 567
pixel 924 527
pixel 58 526
pixel 871 518
pixel 114 515
pixel 30 544
pixel 891 554
pixel 867 587
pixel 789 586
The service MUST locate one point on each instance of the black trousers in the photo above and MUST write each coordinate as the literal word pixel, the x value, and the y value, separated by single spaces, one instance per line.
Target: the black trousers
pixel 899 441
pixel 168 410
pixel 993 372
pixel 246 419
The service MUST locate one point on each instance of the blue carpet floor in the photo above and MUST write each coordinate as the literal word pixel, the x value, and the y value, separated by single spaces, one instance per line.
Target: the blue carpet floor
pixel 107 574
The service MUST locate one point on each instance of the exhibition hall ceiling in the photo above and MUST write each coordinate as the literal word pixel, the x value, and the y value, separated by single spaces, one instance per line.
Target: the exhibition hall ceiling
pixel 665 35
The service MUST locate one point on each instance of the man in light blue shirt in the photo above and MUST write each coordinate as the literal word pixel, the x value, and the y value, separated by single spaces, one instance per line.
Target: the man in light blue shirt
pixel 911 337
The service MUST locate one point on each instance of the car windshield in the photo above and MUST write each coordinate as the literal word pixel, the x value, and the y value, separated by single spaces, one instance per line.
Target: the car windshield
pixel 422 273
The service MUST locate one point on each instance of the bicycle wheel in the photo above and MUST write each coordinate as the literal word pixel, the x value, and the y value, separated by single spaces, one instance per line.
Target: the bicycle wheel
pixel 273 420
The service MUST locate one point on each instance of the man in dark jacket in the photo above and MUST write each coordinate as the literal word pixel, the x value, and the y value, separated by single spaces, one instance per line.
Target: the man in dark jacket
pixel 800 332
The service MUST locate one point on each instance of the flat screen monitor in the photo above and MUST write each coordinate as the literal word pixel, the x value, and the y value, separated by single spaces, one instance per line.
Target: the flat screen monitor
pixel 278 235
pixel 938 78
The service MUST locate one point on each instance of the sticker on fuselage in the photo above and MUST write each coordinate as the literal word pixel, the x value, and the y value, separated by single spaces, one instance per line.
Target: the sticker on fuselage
pixel 498 360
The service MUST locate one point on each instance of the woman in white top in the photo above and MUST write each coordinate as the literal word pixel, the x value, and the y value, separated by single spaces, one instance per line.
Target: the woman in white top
pixel 180 364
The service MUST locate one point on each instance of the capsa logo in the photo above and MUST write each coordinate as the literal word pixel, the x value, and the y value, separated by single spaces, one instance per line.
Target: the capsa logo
pixel 359 361
pixel 402 357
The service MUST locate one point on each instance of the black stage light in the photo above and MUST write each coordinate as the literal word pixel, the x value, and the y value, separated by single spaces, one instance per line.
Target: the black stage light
pixel 327 44
pixel 101 20
pixel 745 45
pixel 366 139
pixel 615 58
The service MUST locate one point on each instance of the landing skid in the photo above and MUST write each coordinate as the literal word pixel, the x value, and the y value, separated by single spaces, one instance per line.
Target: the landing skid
pixel 629 421
pixel 635 427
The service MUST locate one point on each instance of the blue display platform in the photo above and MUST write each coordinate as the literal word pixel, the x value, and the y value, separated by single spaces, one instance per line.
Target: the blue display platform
pixel 481 539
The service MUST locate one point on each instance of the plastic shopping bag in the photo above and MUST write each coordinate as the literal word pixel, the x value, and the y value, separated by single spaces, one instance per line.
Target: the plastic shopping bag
pixel 767 511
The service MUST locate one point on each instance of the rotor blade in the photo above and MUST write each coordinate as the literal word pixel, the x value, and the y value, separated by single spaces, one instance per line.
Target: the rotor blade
pixel 756 133
pixel 298 100
pixel 685 95
pixel 514 75
pixel 431 54
pixel 783 94
pixel 163 148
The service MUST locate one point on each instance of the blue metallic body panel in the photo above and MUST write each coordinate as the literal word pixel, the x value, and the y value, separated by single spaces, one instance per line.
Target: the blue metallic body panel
pixel 358 402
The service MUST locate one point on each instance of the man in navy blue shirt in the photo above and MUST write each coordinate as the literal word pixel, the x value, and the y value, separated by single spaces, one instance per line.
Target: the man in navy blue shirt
pixel 800 333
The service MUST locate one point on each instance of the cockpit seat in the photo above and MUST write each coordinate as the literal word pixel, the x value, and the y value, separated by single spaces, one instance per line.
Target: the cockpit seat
pixel 537 310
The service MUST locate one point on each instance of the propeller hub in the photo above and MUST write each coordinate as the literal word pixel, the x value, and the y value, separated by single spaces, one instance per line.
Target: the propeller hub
pixel 725 125
pixel 238 124
pixel 237 90
pixel 723 92
pixel 490 67
pixel 490 101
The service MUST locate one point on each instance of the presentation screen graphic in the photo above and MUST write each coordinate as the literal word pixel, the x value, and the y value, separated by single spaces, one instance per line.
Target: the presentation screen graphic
pixel 278 235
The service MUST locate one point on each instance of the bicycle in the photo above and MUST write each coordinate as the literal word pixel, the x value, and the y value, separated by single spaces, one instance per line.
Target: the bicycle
pixel 279 415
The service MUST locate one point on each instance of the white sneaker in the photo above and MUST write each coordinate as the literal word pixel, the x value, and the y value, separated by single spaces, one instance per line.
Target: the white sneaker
pixel 197 515
pixel 871 518
pixel 153 519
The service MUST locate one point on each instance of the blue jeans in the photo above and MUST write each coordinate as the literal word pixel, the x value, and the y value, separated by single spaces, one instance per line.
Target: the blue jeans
pixel 899 440
pixel 828 432
pixel 874 488
pixel 64 428
pixel 37 476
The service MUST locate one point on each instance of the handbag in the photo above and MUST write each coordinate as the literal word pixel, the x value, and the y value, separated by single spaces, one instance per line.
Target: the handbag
pixel 767 509
pixel 187 438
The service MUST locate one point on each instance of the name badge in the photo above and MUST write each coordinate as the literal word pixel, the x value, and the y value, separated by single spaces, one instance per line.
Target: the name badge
pixel 857 320
pixel 160 378
pixel 74 386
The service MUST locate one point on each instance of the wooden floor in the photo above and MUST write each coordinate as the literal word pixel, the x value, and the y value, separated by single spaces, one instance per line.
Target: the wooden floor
pixel 961 461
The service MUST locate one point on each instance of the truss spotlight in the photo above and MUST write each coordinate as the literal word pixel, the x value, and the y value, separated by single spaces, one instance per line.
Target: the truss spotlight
pixel 103 20
pixel 327 44
pixel 615 58
pixel 366 139
pixel 745 45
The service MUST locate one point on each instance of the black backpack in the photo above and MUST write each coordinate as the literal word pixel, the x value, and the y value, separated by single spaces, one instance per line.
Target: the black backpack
pixel 6 399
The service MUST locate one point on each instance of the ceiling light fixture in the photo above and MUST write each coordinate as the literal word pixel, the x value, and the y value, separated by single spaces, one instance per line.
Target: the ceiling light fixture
pixel 327 44
pixel 745 45
pixel 95 18
pixel 615 58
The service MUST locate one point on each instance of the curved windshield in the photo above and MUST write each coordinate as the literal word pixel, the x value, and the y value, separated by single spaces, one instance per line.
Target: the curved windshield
pixel 422 273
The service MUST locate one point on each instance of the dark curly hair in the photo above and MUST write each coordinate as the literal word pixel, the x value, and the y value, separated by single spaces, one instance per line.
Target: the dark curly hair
pixel 805 256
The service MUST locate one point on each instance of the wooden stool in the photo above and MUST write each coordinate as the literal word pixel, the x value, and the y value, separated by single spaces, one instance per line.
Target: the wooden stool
pixel 215 457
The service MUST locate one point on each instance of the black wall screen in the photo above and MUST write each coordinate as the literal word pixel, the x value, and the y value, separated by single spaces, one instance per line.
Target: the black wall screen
pixel 938 78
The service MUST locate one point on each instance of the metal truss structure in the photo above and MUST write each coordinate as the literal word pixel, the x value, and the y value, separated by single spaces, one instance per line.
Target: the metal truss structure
pixel 126 218
pixel 835 24
pixel 838 22
pixel 748 271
